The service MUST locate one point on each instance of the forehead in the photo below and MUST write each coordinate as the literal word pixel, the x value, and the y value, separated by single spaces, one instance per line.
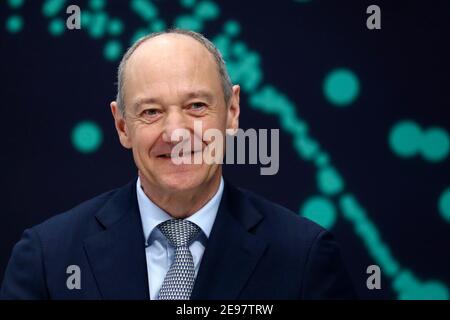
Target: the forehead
pixel 170 62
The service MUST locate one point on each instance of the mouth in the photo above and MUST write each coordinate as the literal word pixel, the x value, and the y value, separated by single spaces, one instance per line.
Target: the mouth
pixel 169 155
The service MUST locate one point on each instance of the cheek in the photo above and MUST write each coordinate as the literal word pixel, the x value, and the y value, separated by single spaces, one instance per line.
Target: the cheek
pixel 216 121
pixel 216 125
pixel 143 139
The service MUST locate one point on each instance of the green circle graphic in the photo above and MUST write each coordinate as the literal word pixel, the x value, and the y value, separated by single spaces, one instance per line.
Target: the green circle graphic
pixel 341 87
pixel 87 136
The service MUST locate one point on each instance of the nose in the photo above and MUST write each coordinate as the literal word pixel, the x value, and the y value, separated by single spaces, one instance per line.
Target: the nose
pixel 174 121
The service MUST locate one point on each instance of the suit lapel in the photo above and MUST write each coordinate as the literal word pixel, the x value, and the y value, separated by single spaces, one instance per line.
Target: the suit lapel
pixel 232 252
pixel 117 254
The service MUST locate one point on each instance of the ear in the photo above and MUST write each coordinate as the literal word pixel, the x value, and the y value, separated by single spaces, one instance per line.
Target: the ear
pixel 233 109
pixel 121 126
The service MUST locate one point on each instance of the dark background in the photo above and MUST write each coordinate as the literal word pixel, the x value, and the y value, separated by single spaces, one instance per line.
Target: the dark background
pixel 50 83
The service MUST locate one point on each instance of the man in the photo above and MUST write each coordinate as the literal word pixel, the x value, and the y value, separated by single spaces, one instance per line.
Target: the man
pixel 178 231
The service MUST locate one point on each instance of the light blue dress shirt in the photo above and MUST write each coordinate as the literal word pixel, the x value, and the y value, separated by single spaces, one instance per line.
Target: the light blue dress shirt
pixel 159 253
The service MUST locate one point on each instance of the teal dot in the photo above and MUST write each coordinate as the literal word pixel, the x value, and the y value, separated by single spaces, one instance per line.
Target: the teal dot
pixel 293 126
pixel 369 233
pixel 306 147
pixel 14 24
pixel 444 205
pixel 145 9
pixel 320 210
pixel 232 28
pixel 322 160
pixel 98 24
pixel 223 45
pixel 97 4
pixel 207 10
pixel 157 25
pixel 404 281
pixel 433 290
pixel 51 7
pixel 138 35
pixel 188 22
pixel 115 27
pixel 329 181
pixel 405 138
pixel 381 252
pixel 341 87
pixel 15 3
pixel 239 49
pixel 352 210
pixel 409 287
pixel 86 18
pixel 86 136
pixel 112 50
pixel 435 144
pixel 56 27
pixel 188 3
pixel 406 285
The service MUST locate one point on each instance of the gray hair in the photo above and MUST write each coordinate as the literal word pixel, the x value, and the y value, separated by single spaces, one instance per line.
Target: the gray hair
pixel 224 77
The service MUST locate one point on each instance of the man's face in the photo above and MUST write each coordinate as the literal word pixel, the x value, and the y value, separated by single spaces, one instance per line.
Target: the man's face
pixel 171 81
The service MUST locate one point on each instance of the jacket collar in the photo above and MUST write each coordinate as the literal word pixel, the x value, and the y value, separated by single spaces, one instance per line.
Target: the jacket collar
pixel 117 253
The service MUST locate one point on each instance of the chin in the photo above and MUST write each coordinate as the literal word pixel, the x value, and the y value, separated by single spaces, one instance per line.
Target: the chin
pixel 181 181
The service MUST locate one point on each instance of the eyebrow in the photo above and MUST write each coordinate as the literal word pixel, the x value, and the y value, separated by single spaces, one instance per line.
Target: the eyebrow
pixel 205 94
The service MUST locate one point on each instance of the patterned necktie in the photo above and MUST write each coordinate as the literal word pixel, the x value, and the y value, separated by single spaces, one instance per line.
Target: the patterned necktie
pixel 179 280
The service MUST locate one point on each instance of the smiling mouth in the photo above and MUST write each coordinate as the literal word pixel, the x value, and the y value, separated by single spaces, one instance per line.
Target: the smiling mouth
pixel 169 155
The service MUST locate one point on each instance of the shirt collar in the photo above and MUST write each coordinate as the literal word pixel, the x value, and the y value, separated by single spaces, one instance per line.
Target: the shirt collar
pixel 152 215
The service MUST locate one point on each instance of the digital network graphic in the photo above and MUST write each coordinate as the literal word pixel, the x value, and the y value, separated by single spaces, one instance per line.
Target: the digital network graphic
pixel 341 87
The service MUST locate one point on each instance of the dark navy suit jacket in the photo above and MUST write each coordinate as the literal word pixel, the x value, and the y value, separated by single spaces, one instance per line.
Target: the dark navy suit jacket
pixel 256 250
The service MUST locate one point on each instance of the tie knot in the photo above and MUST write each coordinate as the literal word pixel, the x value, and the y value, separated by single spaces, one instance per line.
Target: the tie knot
pixel 179 232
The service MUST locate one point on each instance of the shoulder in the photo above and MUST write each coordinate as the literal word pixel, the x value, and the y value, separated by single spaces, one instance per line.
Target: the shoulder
pixel 280 221
pixel 299 246
pixel 75 221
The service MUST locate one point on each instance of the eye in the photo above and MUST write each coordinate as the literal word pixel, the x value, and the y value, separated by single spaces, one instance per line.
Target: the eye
pixel 151 112
pixel 197 105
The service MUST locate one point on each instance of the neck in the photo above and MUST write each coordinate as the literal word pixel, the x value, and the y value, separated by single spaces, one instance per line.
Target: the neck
pixel 180 205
